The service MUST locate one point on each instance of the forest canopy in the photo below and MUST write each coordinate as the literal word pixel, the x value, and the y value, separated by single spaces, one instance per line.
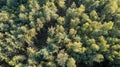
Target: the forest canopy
pixel 59 33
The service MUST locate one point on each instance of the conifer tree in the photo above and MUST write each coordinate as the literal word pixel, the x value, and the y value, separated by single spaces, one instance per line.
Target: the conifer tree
pixel 59 33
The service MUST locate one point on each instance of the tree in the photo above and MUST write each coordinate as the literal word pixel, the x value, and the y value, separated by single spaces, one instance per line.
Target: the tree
pixel 59 33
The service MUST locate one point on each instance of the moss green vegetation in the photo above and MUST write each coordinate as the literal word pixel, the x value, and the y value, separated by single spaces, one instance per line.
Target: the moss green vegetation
pixel 59 33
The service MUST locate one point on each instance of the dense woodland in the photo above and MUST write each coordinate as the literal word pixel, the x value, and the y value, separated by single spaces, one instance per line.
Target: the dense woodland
pixel 59 33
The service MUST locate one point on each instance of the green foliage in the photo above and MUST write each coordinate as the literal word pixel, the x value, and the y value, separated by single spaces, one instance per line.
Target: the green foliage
pixel 62 58
pixel 71 62
pixel 59 33
pixel 12 3
pixel 98 58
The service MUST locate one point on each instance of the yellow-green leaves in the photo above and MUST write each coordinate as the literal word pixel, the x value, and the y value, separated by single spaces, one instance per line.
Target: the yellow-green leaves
pixel 71 62
pixel 59 33
pixel 19 58
pixel 75 12
pixel 111 7
pixel 94 47
pixel 33 4
pixel 98 58
pixel 85 17
pixel 76 47
pixel 22 8
pixel 103 44
pixel 116 47
pixel 60 28
pixel 50 64
pixel 94 15
pixel 61 20
pixel 61 3
pixel 72 31
pixel 39 24
pixel 31 33
pixel 81 8
pixel 31 51
pixel 1 35
pixel 4 16
pixel 22 16
pixel 108 26
pixel 74 22
pixel 62 58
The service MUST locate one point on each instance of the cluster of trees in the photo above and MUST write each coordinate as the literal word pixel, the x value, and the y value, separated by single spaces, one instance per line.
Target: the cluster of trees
pixel 59 33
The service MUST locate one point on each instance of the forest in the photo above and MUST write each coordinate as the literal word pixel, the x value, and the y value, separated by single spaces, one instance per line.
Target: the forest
pixel 59 33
